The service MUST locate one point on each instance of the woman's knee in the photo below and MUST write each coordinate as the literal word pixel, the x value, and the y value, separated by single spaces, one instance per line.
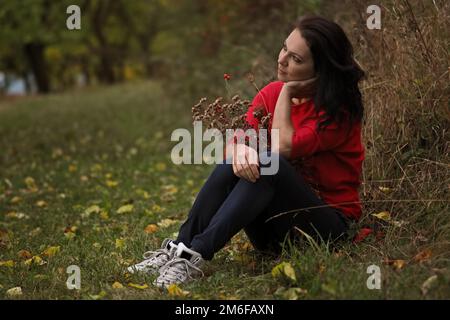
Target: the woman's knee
pixel 223 170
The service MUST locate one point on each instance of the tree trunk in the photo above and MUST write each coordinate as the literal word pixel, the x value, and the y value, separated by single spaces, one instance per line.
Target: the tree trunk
pixel 106 70
pixel 34 52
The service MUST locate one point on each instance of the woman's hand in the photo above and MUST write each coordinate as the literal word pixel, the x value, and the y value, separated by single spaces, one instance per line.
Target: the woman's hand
pixel 301 88
pixel 245 162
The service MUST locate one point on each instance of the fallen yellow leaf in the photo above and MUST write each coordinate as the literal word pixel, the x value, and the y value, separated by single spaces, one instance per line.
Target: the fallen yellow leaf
pixel 13 292
pixel 385 189
pixel 384 215
pixel 143 193
pixel 69 235
pixel 125 209
pixel 37 260
pixel 31 184
pixel 41 203
pixel 97 245
pixel 138 286
pixel 286 269
pixel 98 296
pixel 164 223
pixel 7 263
pixel 15 200
pixel 291 293
pixel 120 243
pixel 112 183
pixel 92 209
pixel 69 232
pixel 40 277
pixel 104 215
pixel 117 285
pixel 51 251
pixel 156 208
pixel 160 166
pixel 17 215
pixel 176 291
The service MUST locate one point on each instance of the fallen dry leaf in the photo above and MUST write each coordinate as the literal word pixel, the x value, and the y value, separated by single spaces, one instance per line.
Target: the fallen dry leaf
pixel 7 263
pixel 175 291
pixel 51 251
pixel 14 292
pixel 423 255
pixel 151 228
pixel 69 232
pixel 24 254
pixel 4 238
pixel 160 166
pixel 156 208
pixel 15 200
pixel 104 215
pixel 92 209
pixel 112 183
pixel 384 215
pixel 99 296
pixel 164 223
pixel 128 208
pixel 117 285
pixel 396 263
pixel 138 286
pixel 31 184
pixel 36 260
pixel 385 189
pixel 120 243
pixel 428 284
pixel 17 215
pixel 41 204
pixel 284 268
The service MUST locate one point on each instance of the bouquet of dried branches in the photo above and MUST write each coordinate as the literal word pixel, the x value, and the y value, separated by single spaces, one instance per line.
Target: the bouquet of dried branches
pixel 232 115
pixel 223 115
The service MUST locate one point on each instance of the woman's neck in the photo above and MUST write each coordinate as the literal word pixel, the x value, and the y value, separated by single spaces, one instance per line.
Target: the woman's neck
pixel 299 101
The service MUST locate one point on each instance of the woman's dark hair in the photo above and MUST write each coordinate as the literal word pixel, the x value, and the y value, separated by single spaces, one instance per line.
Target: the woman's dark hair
pixel 337 86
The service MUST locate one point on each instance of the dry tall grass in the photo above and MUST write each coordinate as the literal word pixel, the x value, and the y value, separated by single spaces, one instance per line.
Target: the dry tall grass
pixel 406 131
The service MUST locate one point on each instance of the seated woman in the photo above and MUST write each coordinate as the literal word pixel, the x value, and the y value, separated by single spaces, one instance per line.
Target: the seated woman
pixel 317 109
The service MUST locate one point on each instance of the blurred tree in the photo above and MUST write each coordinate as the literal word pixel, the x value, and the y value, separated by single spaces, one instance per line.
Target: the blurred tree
pixel 27 27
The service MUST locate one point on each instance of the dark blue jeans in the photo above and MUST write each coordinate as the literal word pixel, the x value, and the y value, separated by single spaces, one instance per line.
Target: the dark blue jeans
pixel 226 204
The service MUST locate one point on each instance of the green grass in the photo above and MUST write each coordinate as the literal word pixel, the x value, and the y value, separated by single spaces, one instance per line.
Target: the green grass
pixel 72 144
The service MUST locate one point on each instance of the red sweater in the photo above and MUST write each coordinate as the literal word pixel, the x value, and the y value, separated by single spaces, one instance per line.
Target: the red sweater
pixel 330 160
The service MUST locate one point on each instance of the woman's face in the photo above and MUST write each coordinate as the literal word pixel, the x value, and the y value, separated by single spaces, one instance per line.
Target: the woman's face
pixel 295 61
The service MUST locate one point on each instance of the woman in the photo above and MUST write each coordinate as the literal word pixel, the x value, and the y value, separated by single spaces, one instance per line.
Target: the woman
pixel 317 108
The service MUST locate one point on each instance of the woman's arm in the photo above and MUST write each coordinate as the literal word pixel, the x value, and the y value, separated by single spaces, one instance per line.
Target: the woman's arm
pixel 282 114
pixel 282 121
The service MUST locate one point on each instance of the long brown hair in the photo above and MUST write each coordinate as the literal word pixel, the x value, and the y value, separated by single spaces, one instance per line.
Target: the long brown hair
pixel 337 88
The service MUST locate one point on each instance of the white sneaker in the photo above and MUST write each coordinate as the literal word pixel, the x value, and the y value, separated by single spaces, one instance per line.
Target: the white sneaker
pixel 184 266
pixel 155 259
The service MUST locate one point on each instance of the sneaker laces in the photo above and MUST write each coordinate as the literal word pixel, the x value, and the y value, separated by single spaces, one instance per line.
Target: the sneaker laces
pixel 158 256
pixel 177 268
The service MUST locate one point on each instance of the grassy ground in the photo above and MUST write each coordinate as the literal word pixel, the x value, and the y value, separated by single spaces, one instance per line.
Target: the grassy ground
pixel 69 162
